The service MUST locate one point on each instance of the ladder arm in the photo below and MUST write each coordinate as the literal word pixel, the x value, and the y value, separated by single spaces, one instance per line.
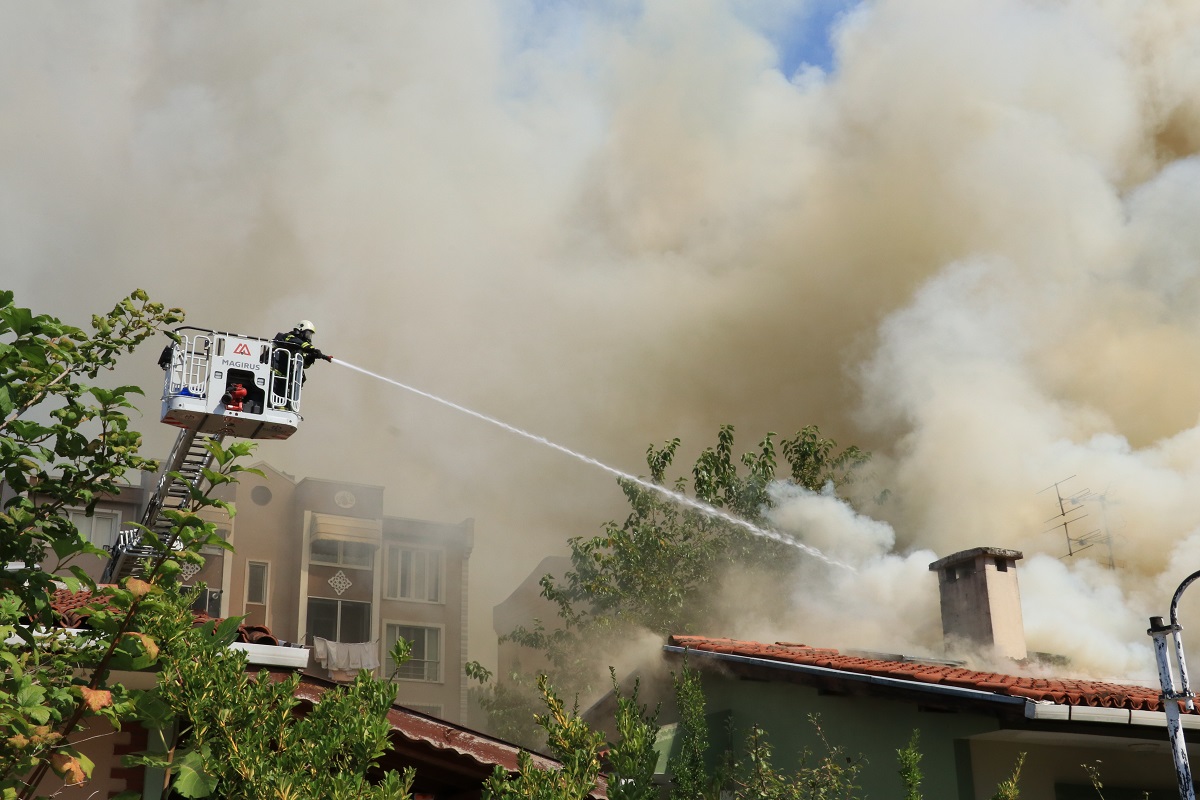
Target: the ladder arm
pixel 189 458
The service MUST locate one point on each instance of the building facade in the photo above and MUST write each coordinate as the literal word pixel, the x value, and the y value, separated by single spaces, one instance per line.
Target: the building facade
pixel 318 563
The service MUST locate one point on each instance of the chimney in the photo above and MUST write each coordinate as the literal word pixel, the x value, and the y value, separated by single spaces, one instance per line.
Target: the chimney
pixel 981 603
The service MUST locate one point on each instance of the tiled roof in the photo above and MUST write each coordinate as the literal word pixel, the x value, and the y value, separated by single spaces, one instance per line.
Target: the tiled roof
pixel 1064 691
pixel 418 738
pixel 73 608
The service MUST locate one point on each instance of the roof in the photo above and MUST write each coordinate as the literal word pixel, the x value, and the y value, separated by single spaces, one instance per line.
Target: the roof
pixel 447 756
pixel 72 609
pixel 1062 691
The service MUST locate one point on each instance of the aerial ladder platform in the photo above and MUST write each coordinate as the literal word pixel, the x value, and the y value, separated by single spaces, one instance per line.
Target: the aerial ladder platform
pixel 217 385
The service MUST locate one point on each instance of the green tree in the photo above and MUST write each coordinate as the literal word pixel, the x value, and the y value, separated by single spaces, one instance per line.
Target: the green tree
pixel 74 447
pixel 632 758
pixel 571 741
pixel 691 779
pixel 511 705
pixel 658 569
pixel 66 442
pixel 582 753
pixel 829 775
pixel 239 736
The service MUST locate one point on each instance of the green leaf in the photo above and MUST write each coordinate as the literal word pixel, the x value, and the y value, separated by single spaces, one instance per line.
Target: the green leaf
pixel 226 631
pixel 131 654
pixel 190 778
pixel 84 762
pixel 147 759
pixel 152 711
pixel 66 546
pixel 38 714
pixel 19 319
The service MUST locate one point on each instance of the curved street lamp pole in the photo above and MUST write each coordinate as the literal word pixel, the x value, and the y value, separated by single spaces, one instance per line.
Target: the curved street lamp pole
pixel 1166 678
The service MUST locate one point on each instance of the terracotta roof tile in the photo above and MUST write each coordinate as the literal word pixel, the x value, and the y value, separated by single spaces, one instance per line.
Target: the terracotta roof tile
pixel 414 728
pixel 73 608
pixel 1066 691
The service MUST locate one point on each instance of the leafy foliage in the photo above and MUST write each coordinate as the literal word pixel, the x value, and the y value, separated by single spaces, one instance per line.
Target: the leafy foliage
pixel 239 735
pixel 65 443
pixel 583 754
pixel 83 448
pixel 691 779
pixel 658 569
pixel 909 757
pixel 827 776
pixel 76 448
pixel 571 740
pixel 511 705
pixel 1009 788
pixel 631 760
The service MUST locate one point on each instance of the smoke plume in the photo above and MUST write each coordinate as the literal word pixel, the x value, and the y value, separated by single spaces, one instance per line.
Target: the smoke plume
pixel 967 244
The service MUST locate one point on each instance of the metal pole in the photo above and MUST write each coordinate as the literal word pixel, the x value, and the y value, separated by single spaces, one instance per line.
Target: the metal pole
pixel 1183 674
pixel 1159 633
pixel 1183 770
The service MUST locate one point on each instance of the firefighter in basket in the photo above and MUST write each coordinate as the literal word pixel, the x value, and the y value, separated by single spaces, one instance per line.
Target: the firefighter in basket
pixel 288 345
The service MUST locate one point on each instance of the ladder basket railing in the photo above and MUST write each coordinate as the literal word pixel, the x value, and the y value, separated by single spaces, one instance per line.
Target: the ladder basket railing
pixel 189 366
pixel 287 377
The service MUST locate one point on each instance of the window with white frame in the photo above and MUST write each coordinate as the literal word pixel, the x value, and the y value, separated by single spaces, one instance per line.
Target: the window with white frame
pixel 413 574
pixel 338 620
pixel 100 529
pixel 426 661
pixel 341 554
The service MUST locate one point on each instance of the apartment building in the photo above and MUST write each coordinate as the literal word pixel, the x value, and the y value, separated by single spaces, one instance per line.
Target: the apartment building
pixel 318 560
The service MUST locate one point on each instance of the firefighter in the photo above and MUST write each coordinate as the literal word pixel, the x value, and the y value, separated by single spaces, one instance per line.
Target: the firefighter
pixel 288 345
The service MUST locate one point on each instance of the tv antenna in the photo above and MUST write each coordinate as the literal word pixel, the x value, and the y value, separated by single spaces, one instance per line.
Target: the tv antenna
pixel 1072 510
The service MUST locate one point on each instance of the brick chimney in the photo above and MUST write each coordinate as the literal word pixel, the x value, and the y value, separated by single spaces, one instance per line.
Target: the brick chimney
pixel 981 603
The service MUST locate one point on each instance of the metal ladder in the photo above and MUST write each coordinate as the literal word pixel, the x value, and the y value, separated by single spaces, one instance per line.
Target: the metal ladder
pixel 189 457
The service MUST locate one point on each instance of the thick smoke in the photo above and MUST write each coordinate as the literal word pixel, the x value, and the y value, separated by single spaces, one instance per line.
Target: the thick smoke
pixel 969 246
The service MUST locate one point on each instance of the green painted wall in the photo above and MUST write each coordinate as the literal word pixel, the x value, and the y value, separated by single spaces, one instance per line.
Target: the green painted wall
pixel 872 728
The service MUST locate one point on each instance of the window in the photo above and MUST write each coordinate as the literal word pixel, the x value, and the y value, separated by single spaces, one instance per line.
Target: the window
pixel 413 574
pixel 256 582
pixel 100 529
pixel 426 661
pixel 208 602
pixel 342 554
pixel 338 620
pixel 256 592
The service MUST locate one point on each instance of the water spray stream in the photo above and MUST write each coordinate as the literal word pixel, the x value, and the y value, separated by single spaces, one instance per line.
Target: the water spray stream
pixel 681 499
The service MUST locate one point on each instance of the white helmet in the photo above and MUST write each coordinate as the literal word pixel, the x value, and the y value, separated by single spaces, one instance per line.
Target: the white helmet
pixel 305 325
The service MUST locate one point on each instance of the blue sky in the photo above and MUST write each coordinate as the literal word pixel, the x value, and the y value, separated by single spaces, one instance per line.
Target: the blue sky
pixel 799 29
pixel 803 37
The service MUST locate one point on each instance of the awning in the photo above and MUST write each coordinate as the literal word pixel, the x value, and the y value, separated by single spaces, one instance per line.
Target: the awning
pixel 330 527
